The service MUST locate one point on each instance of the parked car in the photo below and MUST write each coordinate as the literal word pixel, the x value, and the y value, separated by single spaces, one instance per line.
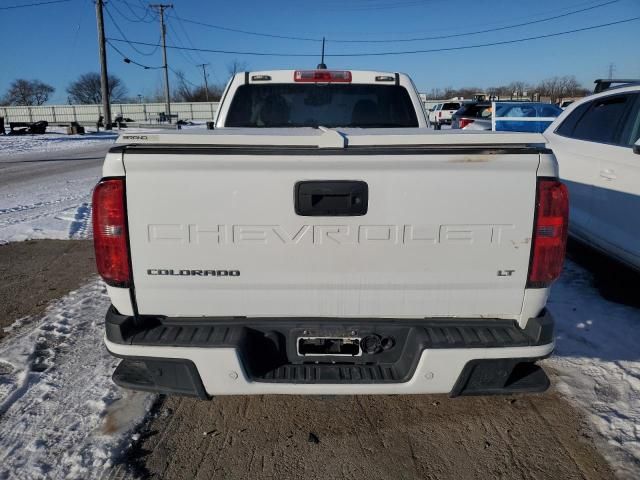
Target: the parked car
pixel 432 112
pixel 318 241
pixel 596 143
pixel 510 116
pixel 524 116
pixel 444 113
pixel 472 116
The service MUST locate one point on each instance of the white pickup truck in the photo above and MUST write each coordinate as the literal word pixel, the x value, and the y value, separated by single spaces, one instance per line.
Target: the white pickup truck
pixel 444 114
pixel 321 241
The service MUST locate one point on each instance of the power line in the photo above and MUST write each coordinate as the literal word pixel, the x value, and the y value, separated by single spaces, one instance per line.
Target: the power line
pixel 147 12
pixel 405 52
pixel 128 60
pixel 187 36
pixel 415 39
pixel 115 24
pixel 33 4
pixel 136 19
pixel 181 77
pixel 247 32
pixel 185 54
pixel 478 32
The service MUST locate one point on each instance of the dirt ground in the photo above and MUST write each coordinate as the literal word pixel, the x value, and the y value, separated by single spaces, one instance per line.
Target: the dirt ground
pixel 368 437
pixel 34 272
pixel 353 437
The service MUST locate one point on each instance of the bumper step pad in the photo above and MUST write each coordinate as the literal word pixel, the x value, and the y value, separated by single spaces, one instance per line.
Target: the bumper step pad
pixel 160 375
pixel 267 349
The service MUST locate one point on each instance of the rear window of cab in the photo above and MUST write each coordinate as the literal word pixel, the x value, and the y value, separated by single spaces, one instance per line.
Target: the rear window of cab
pixel 315 104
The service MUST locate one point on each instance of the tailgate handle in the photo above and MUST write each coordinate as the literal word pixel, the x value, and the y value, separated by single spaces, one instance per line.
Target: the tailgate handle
pixel 331 198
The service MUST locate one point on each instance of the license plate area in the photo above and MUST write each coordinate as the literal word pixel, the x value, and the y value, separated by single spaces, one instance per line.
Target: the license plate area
pixel 328 346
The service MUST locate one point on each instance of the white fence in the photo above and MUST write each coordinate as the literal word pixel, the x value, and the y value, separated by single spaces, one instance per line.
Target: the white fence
pixel 138 112
pixel 89 114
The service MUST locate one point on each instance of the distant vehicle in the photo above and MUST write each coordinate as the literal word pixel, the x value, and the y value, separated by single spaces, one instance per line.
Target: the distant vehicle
pixel 509 116
pixel 565 103
pixel 596 141
pixel 472 116
pixel 523 116
pixel 444 114
pixel 432 112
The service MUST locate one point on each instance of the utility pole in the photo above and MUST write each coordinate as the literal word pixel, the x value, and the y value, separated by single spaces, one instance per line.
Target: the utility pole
pixel 161 7
pixel 104 76
pixel 204 74
pixel 612 68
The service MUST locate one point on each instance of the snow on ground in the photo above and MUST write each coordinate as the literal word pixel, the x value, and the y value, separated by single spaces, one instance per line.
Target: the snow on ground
pixel 54 140
pixel 58 208
pixel 56 395
pixel 53 206
pixel 597 362
pixel 61 416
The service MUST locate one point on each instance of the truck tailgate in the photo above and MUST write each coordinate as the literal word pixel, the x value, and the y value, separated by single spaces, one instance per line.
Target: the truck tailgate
pixel 214 232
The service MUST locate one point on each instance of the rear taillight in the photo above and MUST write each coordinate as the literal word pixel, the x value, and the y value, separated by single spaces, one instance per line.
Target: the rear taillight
pixel 549 233
pixel 110 232
pixel 439 114
pixel 463 122
pixel 322 76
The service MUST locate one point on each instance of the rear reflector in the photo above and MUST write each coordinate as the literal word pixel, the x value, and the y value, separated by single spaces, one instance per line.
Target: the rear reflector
pixel 463 122
pixel 549 233
pixel 322 76
pixel 110 232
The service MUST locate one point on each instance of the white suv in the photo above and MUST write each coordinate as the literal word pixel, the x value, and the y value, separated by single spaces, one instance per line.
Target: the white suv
pixel 596 143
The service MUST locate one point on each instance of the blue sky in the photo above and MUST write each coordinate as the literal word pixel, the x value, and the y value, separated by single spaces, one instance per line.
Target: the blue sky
pixel 56 43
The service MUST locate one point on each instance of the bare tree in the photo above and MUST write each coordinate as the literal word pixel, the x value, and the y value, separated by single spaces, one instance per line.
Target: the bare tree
pixel 185 91
pixel 435 94
pixel 560 87
pixel 27 92
pixel 86 90
pixel 553 88
pixel 237 66
pixel 572 88
pixel 518 88
pixel 448 92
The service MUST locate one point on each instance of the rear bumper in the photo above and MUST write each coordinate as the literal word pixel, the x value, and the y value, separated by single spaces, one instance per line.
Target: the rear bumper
pixel 206 357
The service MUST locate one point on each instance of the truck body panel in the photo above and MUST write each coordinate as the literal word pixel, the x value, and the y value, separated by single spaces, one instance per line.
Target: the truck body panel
pixel 329 243
pixel 213 209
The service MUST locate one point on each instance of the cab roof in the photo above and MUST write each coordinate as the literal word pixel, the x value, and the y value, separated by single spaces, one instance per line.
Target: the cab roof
pixel 289 76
